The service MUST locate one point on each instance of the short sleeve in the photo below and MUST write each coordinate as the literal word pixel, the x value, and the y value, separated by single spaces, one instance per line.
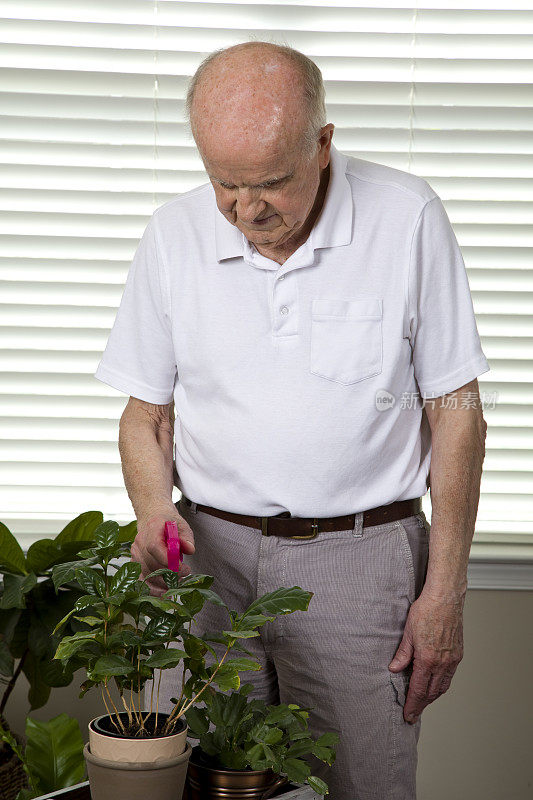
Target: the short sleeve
pixel 139 355
pixel 445 343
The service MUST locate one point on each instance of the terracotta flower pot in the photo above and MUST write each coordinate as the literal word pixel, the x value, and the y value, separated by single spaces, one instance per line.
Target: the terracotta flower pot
pixel 133 768
pixel 105 742
pixel 205 782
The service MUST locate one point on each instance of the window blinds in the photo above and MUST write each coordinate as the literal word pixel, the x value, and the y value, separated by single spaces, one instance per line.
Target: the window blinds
pixel 93 140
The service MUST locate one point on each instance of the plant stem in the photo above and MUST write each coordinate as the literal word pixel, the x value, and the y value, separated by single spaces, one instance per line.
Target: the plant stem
pixel 157 701
pixel 108 711
pixel 130 718
pixel 13 680
pixel 182 681
pixel 194 699
pixel 114 706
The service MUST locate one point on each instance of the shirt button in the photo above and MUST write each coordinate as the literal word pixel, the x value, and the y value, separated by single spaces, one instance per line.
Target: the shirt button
pixel 281 278
pixel 284 310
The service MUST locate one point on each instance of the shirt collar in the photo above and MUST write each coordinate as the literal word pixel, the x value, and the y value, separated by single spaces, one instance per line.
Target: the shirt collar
pixel 333 228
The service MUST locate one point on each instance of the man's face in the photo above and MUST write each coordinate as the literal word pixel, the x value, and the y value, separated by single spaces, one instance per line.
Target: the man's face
pixel 267 193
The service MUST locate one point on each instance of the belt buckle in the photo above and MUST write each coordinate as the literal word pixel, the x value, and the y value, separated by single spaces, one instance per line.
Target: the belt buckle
pixel 312 535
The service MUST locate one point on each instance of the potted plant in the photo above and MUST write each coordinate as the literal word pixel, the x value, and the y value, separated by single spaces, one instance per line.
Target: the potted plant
pixel 126 638
pixel 249 745
pixel 52 758
pixel 29 611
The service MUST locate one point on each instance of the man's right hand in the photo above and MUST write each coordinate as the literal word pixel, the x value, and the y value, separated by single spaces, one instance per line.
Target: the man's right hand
pixel 149 548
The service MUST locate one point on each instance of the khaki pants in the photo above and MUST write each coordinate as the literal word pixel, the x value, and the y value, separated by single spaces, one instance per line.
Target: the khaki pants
pixel 335 655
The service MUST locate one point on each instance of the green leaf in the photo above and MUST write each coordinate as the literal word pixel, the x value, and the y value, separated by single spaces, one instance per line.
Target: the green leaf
pixel 329 739
pixel 256 756
pixel 66 572
pixel 254 620
pixel 80 528
pixel 54 752
pixel 207 594
pixel 193 601
pixel 196 721
pixel 297 770
pixel 158 629
pixel 194 646
pixel 267 735
pixel 91 620
pixel 233 759
pixel 38 636
pixel 42 554
pixel 211 636
pixel 157 602
pixel 301 747
pixel 112 665
pixel 317 785
pixel 325 754
pixel 200 580
pixel 19 639
pixel 71 644
pixel 125 577
pixel 243 664
pixel 165 659
pixel 226 678
pixel 279 715
pixel 127 533
pixel 11 553
pixel 82 602
pixel 8 622
pixel 55 673
pixel 86 577
pixel 15 587
pixel 46 553
pixel 39 690
pixel 106 534
pixel 25 794
pixel 241 634
pixel 280 601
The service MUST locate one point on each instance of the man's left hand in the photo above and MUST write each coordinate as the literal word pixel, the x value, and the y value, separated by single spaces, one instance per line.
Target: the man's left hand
pixel 433 639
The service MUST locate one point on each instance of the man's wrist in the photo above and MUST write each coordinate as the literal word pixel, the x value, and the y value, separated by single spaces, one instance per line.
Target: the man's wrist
pixel 155 508
pixel 445 589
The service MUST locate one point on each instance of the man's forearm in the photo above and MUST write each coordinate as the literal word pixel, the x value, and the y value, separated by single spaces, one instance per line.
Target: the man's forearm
pixel 458 451
pixel 146 453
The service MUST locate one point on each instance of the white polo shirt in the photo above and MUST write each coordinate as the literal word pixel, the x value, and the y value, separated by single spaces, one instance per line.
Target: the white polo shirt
pixel 296 385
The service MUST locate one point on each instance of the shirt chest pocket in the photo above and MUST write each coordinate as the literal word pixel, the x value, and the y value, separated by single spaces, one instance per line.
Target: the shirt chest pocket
pixel 346 339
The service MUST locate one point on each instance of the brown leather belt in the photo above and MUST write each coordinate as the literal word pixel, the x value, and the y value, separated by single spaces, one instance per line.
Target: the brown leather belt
pixel 308 527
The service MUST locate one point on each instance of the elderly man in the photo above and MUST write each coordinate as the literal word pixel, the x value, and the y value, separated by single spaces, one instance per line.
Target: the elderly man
pixel 293 310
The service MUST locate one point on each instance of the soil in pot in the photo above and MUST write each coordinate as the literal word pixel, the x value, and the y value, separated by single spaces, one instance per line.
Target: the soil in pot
pixel 107 726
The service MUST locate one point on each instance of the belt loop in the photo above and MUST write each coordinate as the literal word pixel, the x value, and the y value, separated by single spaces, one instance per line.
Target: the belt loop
pixel 189 503
pixel 357 530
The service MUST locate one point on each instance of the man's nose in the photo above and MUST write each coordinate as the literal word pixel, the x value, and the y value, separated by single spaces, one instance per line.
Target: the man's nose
pixel 250 206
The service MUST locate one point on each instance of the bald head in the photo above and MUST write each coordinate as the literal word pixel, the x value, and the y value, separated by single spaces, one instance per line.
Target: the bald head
pixel 252 94
pixel 257 115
